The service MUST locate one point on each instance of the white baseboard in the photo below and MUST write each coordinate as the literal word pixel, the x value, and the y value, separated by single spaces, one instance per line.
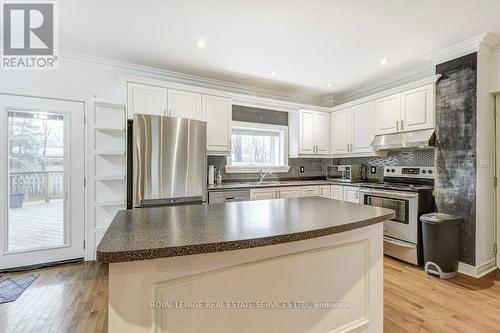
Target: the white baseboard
pixel 477 271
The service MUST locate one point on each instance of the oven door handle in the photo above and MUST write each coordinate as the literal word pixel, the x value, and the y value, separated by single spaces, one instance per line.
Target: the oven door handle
pixel 400 244
pixel 393 194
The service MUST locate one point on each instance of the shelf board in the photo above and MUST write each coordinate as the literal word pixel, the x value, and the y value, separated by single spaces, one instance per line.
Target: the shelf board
pixel 110 177
pixel 110 203
pixel 110 152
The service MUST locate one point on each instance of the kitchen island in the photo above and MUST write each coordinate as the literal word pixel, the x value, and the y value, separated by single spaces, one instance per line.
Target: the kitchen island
pixel 285 265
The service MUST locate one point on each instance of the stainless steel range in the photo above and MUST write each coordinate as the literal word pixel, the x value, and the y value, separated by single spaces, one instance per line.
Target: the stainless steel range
pixel 409 192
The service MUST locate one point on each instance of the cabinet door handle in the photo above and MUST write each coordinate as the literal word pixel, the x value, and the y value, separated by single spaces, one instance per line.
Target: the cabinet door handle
pixel 397 125
pixel 401 124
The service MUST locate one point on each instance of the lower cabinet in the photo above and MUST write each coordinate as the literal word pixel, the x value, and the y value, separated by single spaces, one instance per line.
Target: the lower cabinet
pixel 288 192
pixel 345 193
pixel 325 191
pixel 337 192
pixel 309 191
pixel 263 193
pixel 351 194
pixel 284 192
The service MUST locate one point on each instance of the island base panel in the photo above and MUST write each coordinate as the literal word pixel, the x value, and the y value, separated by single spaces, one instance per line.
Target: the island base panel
pixel 264 289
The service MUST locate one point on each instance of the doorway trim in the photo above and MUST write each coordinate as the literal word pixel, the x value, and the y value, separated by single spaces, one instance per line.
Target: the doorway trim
pixel 86 100
pixel 497 174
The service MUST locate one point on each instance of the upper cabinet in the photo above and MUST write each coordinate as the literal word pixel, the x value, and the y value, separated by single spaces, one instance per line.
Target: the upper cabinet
pixel 322 132
pixel 388 114
pixel 217 112
pixel 184 104
pixel 162 101
pixel 362 127
pixel 353 129
pixel 341 131
pixel 309 133
pixel 417 108
pixel 407 111
pixel 147 99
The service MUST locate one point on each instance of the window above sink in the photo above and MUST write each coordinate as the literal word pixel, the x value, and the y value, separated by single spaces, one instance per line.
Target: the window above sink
pixel 256 147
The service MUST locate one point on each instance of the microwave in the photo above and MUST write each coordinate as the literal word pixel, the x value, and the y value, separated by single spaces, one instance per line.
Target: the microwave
pixel 344 173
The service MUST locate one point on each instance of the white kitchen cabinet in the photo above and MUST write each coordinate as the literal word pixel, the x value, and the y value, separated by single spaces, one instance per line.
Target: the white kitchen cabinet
pixel 417 109
pixel 288 192
pixel 410 110
pixel 351 193
pixel 309 133
pixel 217 112
pixel 306 132
pixel 341 131
pixel 322 132
pixel 337 192
pixel 184 104
pixel 353 129
pixel 146 99
pixel 263 193
pixel 309 191
pixel 325 191
pixel 362 127
pixel 388 114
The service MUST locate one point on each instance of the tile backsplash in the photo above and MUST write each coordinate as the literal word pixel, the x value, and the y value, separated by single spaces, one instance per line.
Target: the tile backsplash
pixel 313 168
pixel 418 157
pixel 316 167
pixel 422 157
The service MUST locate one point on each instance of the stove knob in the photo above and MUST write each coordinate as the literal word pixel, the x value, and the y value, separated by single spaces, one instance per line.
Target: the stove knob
pixel 424 172
pixel 430 172
pixel 393 170
pixel 388 170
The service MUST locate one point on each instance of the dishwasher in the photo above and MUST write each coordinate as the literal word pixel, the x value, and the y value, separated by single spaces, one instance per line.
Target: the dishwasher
pixel 228 196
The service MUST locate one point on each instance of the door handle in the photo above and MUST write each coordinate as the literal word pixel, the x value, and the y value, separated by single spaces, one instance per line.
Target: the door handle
pixel 401 124
pixel 397 125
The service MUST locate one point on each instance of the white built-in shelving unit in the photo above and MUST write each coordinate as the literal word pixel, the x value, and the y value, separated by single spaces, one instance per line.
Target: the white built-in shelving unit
pixel 109 166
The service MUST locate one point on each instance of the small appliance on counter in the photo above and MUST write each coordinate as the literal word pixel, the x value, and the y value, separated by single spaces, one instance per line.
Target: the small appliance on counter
pixel 408 191
pixel 211 175
pixel 169 161
pixel 345 173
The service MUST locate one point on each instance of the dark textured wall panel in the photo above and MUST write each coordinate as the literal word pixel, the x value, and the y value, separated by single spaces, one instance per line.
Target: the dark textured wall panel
pixel 455 187
pixel 261 116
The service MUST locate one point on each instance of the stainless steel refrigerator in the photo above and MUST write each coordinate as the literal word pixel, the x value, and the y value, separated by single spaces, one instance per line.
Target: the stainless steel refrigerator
pixel 169 161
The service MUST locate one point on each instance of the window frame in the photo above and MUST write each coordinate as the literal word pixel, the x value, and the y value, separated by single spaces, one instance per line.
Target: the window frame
pixel 256 168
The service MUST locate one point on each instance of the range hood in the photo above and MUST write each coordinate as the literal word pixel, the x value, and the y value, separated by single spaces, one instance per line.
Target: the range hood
pixel 414 139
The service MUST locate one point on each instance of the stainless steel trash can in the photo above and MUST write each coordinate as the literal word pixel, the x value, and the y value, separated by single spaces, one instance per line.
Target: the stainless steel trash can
pixel 441 243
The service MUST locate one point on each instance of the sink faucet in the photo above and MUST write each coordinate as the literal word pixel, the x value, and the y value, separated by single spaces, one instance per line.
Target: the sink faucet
pixel 263 174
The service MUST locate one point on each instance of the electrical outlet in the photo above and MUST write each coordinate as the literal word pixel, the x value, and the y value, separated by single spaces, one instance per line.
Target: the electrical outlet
pixel 373 169
pixel 302 169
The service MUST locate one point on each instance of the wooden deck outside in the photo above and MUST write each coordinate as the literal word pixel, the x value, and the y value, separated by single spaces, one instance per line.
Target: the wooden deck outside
pixel 36 225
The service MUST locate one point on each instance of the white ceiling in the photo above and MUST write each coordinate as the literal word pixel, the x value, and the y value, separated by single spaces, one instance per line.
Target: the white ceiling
pixel 308 43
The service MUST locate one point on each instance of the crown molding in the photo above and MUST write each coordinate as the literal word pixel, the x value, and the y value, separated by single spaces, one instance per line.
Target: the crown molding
pixel 387 92
pixel 273 104
pixel 188 79
pixel 485 43
pixel 394 81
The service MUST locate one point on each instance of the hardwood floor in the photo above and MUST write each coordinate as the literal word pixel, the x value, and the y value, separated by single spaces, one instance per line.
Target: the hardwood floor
pixel 73 298
pixel 416 302
pixel 65 298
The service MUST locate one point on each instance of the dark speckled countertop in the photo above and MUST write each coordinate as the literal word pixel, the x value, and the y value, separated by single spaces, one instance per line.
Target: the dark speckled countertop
pixel 159 232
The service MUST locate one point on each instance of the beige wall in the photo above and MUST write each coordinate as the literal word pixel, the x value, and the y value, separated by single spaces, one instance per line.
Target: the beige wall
pixel 485 193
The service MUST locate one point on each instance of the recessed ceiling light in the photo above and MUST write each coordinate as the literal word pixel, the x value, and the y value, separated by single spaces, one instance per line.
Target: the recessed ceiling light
pixel 329 85
pixel 202 44
pixel 384 61
pixel 273 72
